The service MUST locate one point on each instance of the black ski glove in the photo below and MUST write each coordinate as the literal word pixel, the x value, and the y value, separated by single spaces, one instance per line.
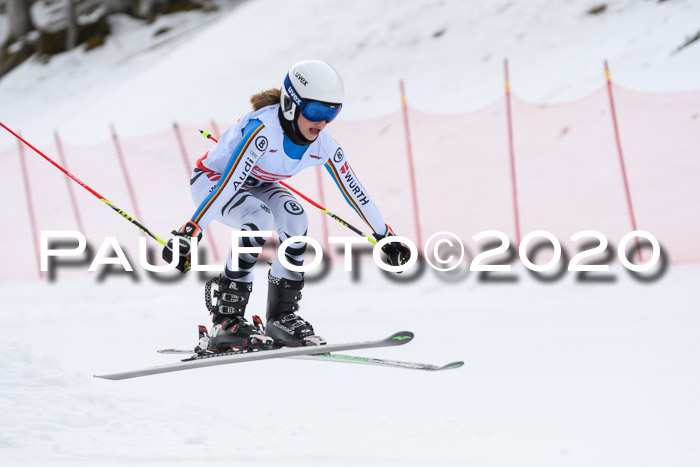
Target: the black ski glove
pixel 396 252
pixel 183 237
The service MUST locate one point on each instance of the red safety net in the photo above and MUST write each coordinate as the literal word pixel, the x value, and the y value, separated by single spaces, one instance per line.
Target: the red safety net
pixel 568 176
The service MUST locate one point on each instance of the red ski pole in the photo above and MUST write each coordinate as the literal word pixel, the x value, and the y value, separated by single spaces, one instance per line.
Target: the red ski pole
pixel 79 182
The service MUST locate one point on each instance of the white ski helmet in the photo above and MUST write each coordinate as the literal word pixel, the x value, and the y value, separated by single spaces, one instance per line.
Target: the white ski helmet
pixel 314 89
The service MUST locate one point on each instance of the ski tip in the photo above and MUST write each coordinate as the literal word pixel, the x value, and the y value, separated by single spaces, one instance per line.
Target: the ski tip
pixel 120 376
pixel 451 366
pixel 400 338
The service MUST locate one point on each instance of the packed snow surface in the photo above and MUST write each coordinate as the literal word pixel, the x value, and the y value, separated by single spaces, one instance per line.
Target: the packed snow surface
pixel 555 375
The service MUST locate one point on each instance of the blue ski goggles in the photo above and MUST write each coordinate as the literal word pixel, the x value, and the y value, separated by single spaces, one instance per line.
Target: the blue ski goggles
pixel 314 111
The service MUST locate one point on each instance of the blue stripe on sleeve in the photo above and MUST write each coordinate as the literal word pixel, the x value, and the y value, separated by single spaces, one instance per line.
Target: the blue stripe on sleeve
pixel 236 155
pixel 340 188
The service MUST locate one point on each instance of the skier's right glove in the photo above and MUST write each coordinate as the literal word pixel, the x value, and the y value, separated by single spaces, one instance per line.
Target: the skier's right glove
pixel 184 238
pixel 396 252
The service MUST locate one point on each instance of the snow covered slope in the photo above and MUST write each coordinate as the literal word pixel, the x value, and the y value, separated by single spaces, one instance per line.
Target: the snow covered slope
pixel 555 375
pixel 450 53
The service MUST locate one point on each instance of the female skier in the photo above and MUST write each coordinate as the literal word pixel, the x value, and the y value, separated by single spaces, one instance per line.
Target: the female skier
pixel 236 183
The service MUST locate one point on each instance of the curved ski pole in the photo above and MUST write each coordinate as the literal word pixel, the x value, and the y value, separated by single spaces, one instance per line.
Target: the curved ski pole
pixel 371 239
pixel 96 194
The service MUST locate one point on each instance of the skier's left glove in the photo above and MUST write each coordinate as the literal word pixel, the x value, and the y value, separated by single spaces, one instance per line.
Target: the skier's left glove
pixel 184 238
pixel 397 253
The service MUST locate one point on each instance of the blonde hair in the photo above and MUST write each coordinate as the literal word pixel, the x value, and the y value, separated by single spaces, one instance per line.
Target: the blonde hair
pixel 265 98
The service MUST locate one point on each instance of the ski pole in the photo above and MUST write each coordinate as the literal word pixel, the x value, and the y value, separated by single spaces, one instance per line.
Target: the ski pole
pixel 372 240
pixel 96 194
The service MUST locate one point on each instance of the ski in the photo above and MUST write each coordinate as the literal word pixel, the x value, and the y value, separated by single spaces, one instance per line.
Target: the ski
pixel 380 362
pixel 246 355
pixel 327 357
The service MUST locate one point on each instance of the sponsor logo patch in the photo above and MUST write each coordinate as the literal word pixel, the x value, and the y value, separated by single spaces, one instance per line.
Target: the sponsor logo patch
pixel 293 208
pixel 353 186
pixel 261 143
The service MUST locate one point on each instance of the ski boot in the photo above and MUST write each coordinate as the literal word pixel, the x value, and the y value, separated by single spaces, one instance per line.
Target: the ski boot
pixel 230 329
pixel 283 325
